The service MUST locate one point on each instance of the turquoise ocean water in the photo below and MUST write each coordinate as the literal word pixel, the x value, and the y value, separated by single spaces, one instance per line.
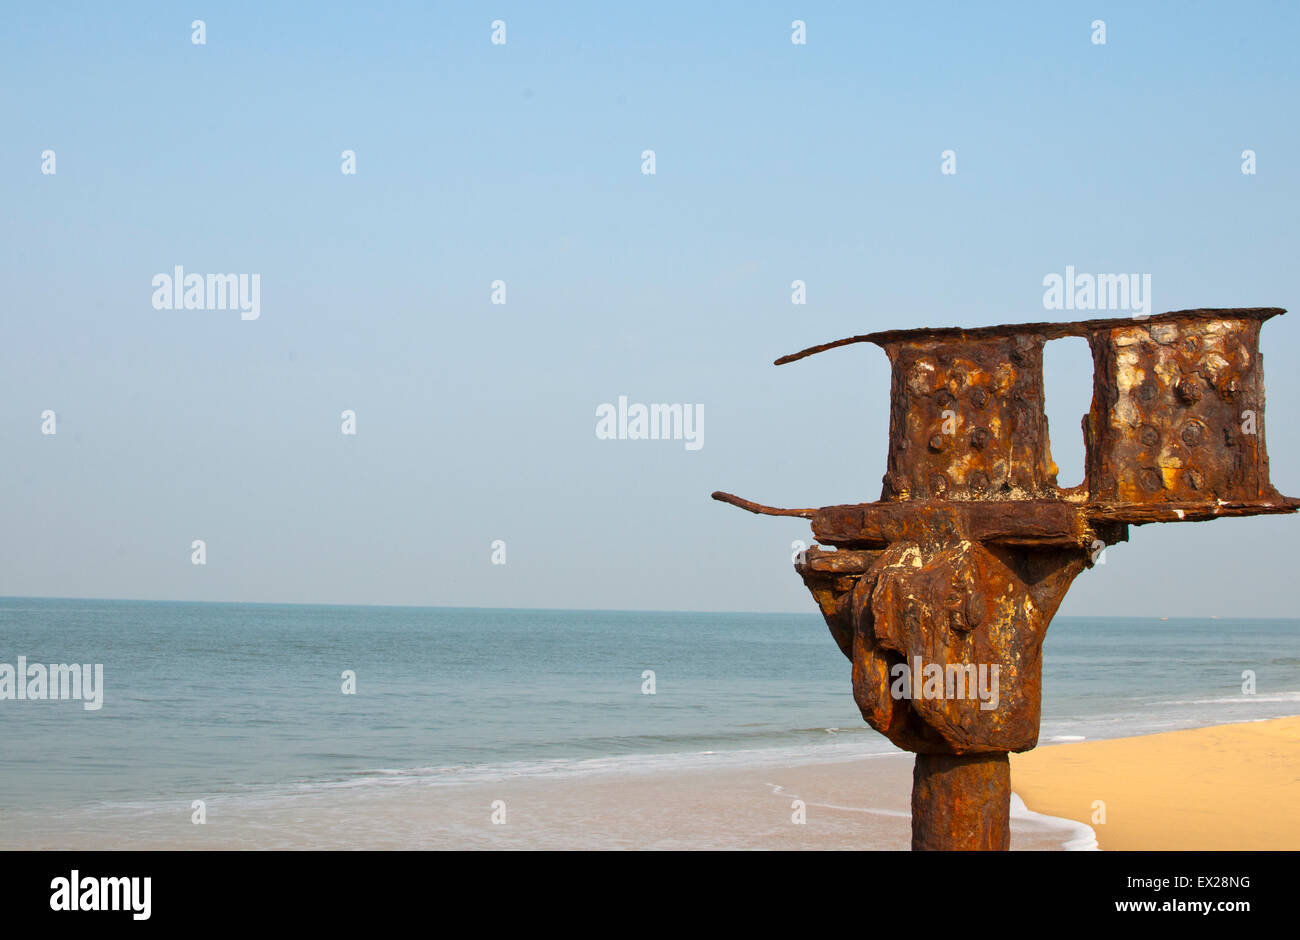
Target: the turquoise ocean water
pixel 238 699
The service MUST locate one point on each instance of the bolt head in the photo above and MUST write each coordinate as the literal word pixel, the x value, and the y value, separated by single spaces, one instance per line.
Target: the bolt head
pixel 1151 481
pixel 1189 392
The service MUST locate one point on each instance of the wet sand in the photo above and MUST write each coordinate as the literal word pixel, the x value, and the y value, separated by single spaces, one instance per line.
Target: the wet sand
pixel 861 803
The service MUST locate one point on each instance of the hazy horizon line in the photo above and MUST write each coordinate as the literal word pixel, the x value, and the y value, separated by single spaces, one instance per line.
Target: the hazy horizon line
pixel 609 610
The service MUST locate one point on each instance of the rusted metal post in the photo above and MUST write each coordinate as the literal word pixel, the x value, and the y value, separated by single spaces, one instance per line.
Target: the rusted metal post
pixel 940 593
pixel 961 802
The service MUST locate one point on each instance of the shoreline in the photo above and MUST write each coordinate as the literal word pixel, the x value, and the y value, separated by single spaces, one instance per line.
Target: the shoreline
pixel 863 803
pixel 1209 787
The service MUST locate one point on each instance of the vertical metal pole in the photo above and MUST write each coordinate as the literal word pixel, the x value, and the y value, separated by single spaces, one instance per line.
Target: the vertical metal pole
pixel 961 802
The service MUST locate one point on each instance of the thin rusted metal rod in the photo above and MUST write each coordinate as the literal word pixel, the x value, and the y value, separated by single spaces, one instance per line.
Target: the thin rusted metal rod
pixel 760 509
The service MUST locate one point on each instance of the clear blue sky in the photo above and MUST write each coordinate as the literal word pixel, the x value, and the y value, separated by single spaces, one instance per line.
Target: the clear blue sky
pixel 521 162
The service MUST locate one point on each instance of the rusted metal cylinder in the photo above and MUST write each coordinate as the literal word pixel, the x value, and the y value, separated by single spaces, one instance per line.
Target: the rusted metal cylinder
pixel 961 802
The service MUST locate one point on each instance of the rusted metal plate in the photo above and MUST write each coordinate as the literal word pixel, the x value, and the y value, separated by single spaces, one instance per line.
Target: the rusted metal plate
pixel 1178 413
pixel 1143 513
pixel 1046 330
pixel 966 419
pixel 1048 522
pixel 946 647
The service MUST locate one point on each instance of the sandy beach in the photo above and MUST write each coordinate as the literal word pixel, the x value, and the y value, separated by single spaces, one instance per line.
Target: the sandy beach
pixel 1234 786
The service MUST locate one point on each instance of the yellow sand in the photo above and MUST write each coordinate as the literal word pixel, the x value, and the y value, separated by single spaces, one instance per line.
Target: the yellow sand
pixel 1228 787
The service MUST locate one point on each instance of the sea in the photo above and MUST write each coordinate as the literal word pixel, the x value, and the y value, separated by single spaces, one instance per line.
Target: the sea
pixel 250 701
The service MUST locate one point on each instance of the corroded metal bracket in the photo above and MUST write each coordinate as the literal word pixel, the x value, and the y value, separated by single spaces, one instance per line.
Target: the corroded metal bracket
pixel 941 592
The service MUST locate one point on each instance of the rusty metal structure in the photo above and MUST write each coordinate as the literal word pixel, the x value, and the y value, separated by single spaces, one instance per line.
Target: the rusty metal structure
pixel 946 585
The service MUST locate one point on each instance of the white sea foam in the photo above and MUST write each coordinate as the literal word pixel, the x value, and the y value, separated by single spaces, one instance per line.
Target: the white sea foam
pixel 1232 700
pixel 1079 837
pixel 549 769
pixel 778 790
